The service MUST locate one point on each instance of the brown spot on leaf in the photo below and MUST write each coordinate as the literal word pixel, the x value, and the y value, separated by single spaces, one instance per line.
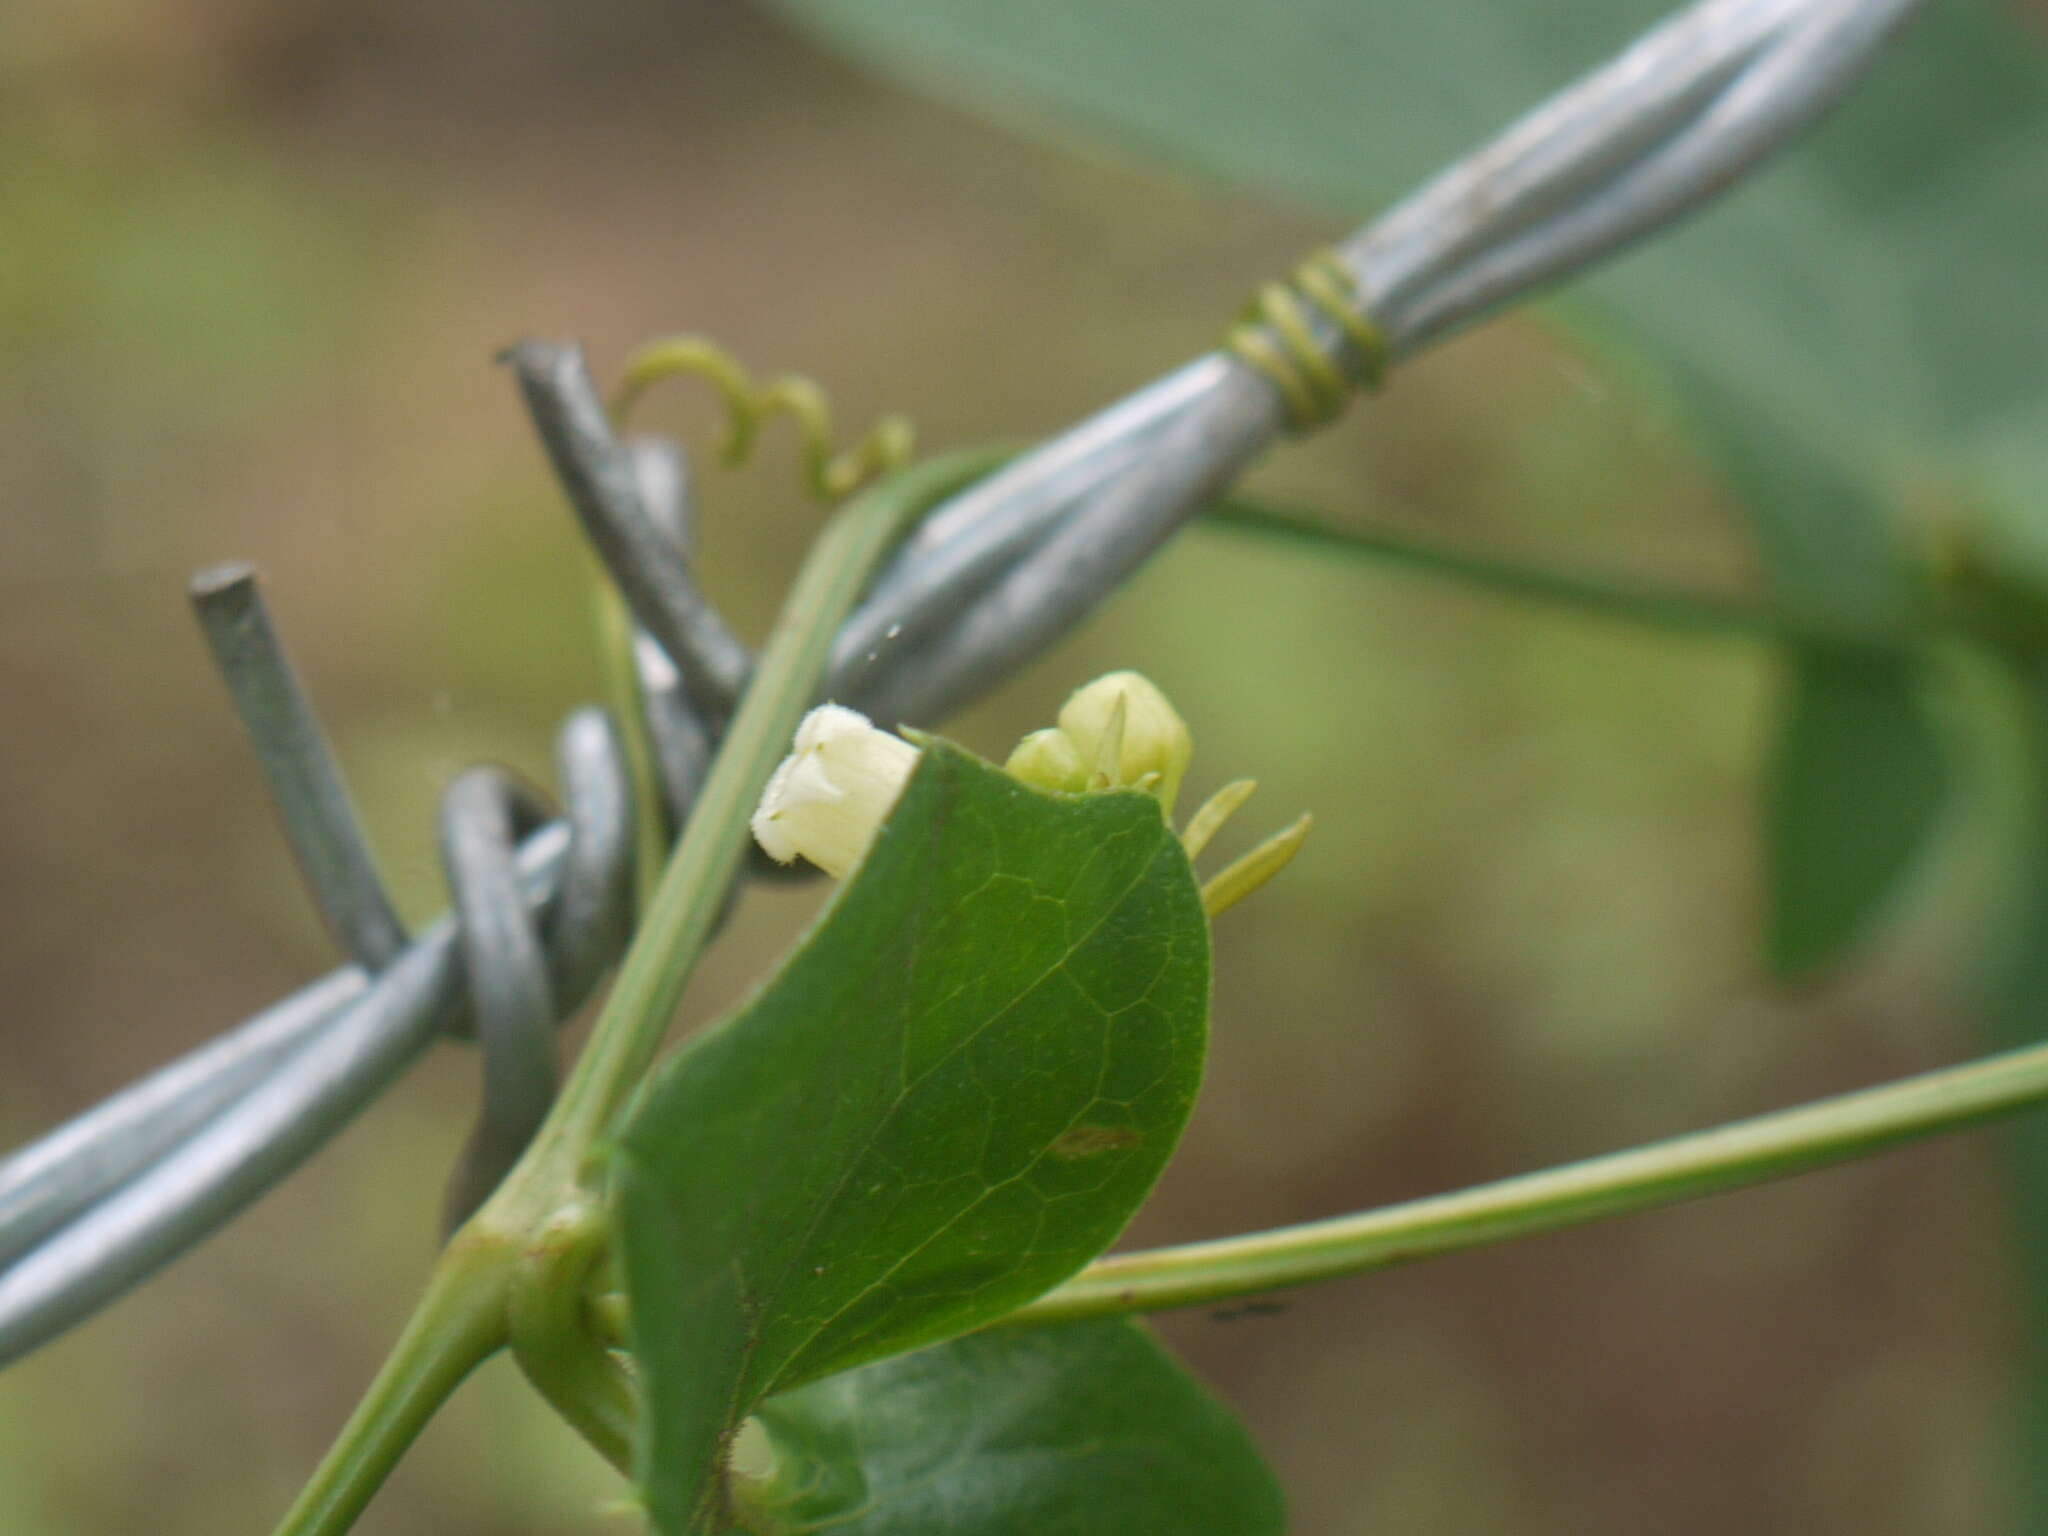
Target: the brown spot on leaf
pixel 1094 1140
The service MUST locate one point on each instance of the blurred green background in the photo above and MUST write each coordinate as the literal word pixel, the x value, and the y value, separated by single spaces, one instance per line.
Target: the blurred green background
pixel 256 260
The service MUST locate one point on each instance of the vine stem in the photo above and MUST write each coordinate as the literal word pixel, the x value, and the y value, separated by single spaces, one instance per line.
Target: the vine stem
pixel 458 1324
pixel 1667 607
pixel 525 1234
pixel 621 683
pixel 1747 1152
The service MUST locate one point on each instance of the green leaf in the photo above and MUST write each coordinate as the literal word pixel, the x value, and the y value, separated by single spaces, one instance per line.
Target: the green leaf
pixel 1856 781
pixel 952 1096
pixel 1827 548
pixel 1870 303
pixel 1089 1429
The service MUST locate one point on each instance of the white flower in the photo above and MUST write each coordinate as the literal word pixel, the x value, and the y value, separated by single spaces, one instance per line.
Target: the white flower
pixel 828 798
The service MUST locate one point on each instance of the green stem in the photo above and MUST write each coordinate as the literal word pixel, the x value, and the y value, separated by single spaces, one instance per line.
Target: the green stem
pixel 536 1227
pixel 459 1324
pixel 621 680
pixel 1665 607
pixel 685 905
pixel 558 1341
pixel 1768 1147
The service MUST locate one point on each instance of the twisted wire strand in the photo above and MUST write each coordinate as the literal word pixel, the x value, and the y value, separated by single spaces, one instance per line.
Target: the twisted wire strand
pixel 1579 139
pixel 986 581
pixel 512 987
pixel 1816 58
pixel 1639 139
pixel 50 1181
pixel 99 1205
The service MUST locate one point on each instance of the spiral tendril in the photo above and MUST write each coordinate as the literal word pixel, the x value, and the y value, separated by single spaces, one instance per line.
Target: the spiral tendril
pixel 830 472
pixel 1277 337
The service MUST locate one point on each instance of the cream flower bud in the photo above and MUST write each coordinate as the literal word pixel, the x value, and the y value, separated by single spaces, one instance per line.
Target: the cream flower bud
pixel 1048 759
pixel 829 797
pixel 1155 738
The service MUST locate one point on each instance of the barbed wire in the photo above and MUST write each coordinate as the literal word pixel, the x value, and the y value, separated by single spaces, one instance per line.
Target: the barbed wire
pixel 991 577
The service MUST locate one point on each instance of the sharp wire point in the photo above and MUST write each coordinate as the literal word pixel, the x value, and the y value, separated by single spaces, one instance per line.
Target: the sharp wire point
pixel 305 781
pixel 603 488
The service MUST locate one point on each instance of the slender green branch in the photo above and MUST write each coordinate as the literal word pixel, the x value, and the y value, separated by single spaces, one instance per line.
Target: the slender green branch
pixel 1768 1147
pixel 459 1323
pixel 621 679
pixel 1663 606
pixel 679 919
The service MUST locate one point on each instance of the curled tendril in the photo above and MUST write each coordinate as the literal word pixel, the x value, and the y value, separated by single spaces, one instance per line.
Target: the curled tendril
pixel 1276 336
pixel 830 472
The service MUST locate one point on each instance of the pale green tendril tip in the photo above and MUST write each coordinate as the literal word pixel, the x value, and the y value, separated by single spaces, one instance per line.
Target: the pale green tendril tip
pixel 831 473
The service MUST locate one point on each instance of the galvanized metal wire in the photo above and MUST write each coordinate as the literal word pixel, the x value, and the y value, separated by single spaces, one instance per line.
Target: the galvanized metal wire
pixel 989 579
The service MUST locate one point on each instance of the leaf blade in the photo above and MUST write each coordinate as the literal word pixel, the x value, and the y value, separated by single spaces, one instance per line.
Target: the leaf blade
pixel 1089 1429
pixel 952 1096
pixel 1857 781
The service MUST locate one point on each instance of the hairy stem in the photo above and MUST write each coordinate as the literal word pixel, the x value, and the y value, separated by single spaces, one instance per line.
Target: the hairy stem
pixel 1747 1152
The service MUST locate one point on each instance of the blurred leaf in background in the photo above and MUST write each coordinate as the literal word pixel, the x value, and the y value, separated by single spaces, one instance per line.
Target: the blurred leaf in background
pixel 1855 782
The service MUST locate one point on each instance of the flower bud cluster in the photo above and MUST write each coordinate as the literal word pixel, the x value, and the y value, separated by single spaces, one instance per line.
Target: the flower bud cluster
pixel 1118 732
pixel 828 799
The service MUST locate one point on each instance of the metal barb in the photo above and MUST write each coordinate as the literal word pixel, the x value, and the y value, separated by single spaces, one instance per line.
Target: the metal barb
pixel 587 922
pixel 511 989
pixel 320 820
pixel 649 567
